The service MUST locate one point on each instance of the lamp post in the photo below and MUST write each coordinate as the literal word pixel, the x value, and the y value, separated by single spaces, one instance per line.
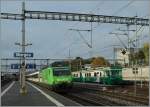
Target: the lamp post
pixel 22 70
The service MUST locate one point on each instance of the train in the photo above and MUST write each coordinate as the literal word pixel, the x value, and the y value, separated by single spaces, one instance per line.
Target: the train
pixel 113 75
pixel 56 78
pixel 102 75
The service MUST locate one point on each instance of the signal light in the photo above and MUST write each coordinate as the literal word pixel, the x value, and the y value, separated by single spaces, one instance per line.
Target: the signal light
pixel 123 52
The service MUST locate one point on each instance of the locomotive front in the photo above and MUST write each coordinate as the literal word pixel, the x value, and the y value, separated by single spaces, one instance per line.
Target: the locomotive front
pixel 62 78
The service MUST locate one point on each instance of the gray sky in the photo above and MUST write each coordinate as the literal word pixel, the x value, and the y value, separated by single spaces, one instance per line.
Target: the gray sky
pixel 52 39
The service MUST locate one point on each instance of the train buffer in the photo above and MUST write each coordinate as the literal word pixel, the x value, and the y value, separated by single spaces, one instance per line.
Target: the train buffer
pixel 36 96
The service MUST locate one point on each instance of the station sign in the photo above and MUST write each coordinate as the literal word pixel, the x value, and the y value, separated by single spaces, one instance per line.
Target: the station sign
pixel 30 66
pixel 18 66
pixel 15 66
pixel 20 54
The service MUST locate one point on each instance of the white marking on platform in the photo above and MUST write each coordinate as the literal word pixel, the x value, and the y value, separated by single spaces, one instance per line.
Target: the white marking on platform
pixel 47 96
pixel 7 88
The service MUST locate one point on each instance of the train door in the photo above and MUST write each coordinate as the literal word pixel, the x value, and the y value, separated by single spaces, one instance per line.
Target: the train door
pixel 96 75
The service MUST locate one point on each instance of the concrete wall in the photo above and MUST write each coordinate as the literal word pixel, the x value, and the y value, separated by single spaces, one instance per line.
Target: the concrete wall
pixel 142 74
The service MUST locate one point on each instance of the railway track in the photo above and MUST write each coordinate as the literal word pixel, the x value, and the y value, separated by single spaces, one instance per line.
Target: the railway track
pixel 132 100
pixel 95 97
pixel 92 99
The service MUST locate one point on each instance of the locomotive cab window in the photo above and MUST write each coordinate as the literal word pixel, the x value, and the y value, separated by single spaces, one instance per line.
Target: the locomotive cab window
pixel 61 72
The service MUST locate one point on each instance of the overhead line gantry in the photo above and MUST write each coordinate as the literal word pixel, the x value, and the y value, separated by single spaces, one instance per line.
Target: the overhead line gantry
pixel 76 17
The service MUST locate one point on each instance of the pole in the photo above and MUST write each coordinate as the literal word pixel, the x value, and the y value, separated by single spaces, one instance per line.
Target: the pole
pixel 91 39
pixel 114 56
pixel 149 61
pixel 80 68
pixel 136 60
pixel 6 66
pixel 128 45
pixel 128 35
pixel 141 77
pixel 136 35
pixel 135 79
pixel 1 67
pixel 23 70
pixel 20 71
pixel 69 60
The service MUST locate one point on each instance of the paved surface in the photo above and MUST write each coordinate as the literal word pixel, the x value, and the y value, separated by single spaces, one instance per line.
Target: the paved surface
pixel 65 101
pixel 5 86
pixel 33 98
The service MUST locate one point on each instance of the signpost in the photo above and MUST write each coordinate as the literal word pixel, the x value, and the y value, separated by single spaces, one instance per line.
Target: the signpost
pixel 27 66
pixel 20 54
pixel 15 66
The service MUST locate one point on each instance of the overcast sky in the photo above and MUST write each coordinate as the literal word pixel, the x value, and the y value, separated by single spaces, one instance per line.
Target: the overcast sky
pixel 52 39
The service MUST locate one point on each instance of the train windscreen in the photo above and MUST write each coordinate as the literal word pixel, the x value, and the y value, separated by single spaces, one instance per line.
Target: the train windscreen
pixel 61 72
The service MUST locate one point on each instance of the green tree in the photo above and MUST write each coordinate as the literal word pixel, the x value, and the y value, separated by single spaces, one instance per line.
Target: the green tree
pixel 146 52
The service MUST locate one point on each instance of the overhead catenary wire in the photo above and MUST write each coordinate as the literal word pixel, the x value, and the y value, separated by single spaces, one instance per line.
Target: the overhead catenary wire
pixel 102 49
pixel 66 33
pixel 116 12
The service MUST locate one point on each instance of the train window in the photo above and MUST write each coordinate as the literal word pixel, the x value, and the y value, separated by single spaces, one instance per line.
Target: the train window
pixel 100 74
pixel 89 74
pixel 94 74
pixel 59 72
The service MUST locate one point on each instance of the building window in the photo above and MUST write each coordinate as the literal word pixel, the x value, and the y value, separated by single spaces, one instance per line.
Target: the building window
pixel 135 70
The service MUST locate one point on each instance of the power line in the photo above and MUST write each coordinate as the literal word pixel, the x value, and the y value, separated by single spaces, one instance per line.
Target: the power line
pixel 122 8
pixel 116 12
pixel 99 4
pixel 102 49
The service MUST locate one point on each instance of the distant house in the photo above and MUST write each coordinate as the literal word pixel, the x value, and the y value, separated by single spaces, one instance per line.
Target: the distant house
pixel 87 66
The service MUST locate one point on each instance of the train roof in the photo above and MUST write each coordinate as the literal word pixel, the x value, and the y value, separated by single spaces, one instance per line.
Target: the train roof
pixel 31 74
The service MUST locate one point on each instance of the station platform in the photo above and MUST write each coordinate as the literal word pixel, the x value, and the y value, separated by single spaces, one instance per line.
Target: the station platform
pixel 36 96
